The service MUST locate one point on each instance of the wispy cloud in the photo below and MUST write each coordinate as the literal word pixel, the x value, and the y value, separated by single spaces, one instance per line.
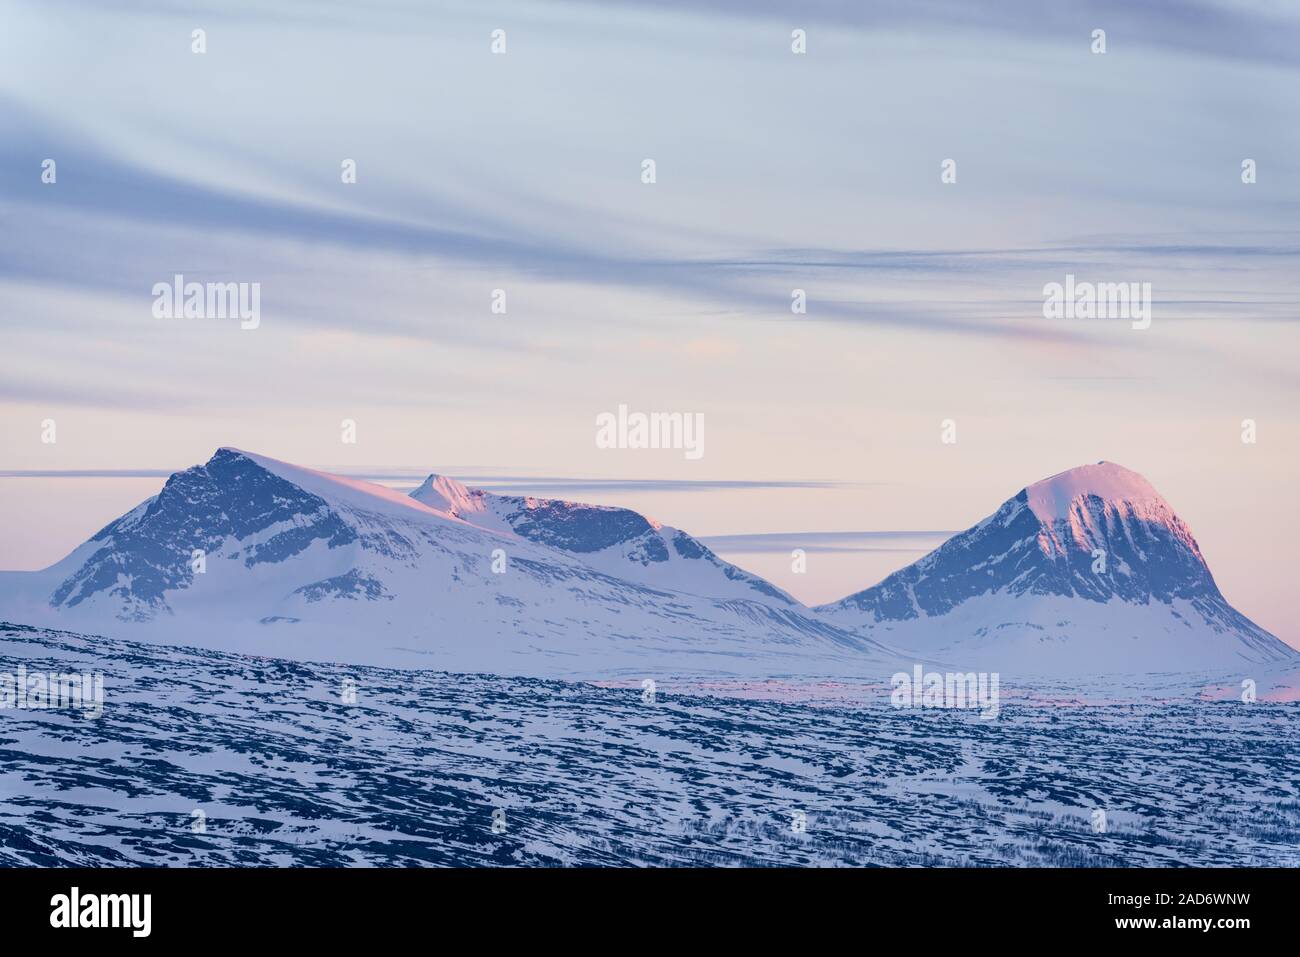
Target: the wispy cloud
pixel 877 541
pixel 1239 29
pixel 494 482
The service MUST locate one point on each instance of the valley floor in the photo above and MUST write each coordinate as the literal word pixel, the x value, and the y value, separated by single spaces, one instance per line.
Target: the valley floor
pixel 205 758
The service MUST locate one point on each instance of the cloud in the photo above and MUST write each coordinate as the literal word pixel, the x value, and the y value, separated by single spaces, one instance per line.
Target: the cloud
pixel 877 541
pixel 1237 29
pixel 505 484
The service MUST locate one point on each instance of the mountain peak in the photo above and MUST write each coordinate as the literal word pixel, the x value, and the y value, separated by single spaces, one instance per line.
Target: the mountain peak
pixel 1052 499
pixel 1088 569
pixel 446 494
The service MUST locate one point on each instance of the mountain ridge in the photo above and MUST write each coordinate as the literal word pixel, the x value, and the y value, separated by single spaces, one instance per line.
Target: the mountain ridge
pixel 1087 569
pixel 248 553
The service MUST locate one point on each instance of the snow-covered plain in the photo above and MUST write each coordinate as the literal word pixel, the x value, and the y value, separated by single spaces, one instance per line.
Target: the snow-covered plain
pixel 434 768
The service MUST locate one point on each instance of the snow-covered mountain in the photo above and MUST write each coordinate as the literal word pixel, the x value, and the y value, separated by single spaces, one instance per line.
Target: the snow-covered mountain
pixel 247 553
pixel 1089 571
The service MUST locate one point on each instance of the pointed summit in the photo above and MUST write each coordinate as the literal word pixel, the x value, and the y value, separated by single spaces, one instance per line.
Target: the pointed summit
pixel 448 495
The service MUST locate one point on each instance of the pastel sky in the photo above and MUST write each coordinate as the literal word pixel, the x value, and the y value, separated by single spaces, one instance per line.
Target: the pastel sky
pixel 775 172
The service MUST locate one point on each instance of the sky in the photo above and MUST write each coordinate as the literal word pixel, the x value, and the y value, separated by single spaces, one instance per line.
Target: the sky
pixel 522 171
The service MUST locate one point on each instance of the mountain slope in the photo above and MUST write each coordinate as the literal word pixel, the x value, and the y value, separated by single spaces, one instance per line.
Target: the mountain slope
pixel 615 540
pixel 246 553
pixel 1089 570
